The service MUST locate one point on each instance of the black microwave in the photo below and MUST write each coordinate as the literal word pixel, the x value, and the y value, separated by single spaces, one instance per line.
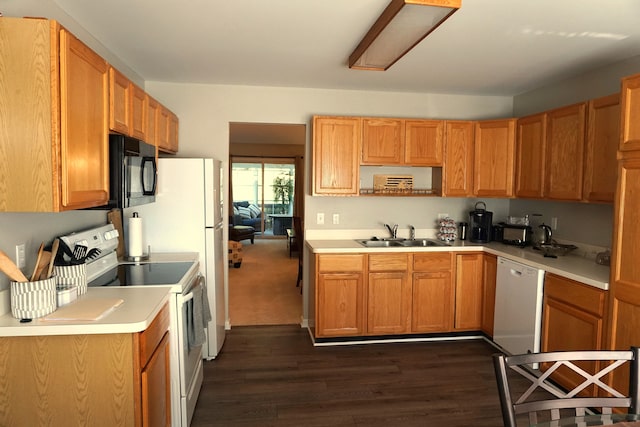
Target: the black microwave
pixel 133 172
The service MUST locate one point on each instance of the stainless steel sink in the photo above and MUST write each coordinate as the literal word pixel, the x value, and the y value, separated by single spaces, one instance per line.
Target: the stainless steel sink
pixel 423 242
pixel 378 243
pixel 385 243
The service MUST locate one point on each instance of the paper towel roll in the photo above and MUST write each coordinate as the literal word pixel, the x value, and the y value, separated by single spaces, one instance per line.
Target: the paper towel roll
pixel 135 236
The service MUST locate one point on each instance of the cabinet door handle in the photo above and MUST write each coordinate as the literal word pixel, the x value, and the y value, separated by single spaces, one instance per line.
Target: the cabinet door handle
pixel 154 174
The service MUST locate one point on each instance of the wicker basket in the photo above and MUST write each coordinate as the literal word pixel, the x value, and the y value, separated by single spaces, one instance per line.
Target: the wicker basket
pixel 30 300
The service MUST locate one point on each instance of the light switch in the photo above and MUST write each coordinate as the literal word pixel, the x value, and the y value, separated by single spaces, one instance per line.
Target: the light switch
pixel 320 218
pixel 336 218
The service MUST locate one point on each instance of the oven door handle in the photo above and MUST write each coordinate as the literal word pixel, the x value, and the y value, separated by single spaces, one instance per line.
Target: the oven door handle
pixel 185 298
pixel 189 296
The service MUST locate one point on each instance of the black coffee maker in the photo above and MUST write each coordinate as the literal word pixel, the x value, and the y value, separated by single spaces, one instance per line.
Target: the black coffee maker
pixel 480 224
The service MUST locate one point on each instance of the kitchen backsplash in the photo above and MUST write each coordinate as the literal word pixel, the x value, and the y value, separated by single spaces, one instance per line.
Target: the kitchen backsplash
pixel 586 224
pixel 580 223
pixel 35 228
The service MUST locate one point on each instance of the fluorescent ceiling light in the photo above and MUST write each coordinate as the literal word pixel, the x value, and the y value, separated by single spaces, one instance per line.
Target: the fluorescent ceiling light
pixel 402 25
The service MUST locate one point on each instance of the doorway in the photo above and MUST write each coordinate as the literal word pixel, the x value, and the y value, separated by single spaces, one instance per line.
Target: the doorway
pixel 266 170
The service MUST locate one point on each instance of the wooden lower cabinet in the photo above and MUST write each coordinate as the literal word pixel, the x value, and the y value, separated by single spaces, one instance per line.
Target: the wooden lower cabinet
pixel 489 270
pixel 87 379
pixel 433 293
pixel 469 292
pixel 388 294
pixel 340 295
pixel 573 316
pixel 432 303
pixel 156 389
pixel 403 293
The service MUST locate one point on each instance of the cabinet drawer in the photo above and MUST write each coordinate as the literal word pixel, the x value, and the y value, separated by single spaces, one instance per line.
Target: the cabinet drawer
pixel 328 263
pixel 432 261
pixel 151 337
pixel 388 262
pixel 575 293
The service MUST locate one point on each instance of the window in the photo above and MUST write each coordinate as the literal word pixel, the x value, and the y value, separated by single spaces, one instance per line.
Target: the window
pixel 263 194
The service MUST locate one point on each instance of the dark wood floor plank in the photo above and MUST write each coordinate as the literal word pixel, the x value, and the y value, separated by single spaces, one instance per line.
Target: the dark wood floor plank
pixel 273 376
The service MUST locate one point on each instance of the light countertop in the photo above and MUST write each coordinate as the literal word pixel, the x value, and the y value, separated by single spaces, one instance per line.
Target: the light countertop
pixel 135 314
pixel 571 266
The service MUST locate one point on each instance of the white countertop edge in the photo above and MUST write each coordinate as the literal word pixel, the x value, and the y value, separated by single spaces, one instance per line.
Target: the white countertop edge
pixel 570 266
pixel 141 305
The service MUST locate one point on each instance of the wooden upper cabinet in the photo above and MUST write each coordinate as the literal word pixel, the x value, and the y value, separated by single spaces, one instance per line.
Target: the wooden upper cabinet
pixel 173 133
pixel 630 111
pixel 153 111
pixel 458 159
pixel 336 155
pixel 139 111
pixel 128 106
pixel 424 142
pixel 600 163
pixel 530 158
pixel 84 112
pixel 565 152
pixel 402 142
pixel 119 102
pixel 59 87
pixel 494 158
pixel 382 141
pixel 162 129
pixel 167 130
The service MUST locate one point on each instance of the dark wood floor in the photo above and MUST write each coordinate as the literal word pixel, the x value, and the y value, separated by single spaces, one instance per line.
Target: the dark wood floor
pixel 273 376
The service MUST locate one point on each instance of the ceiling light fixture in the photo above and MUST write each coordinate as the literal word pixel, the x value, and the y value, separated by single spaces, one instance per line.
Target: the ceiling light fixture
pixel 402 25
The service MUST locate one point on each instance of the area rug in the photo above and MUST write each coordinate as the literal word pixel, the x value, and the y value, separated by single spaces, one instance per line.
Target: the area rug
pixel 263 290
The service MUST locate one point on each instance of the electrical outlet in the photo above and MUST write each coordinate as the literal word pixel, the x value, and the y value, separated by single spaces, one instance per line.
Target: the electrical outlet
pixel 336 218
pixel 320 218
pixel 443 215
pixel 20 256
pixel 554 223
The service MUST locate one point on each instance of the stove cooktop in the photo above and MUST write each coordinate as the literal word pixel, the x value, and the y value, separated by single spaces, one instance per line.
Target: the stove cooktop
pixel 148 274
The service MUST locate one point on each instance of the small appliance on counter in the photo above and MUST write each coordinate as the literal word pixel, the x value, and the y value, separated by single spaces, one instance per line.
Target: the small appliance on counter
pixel 512 234
pixel 480 224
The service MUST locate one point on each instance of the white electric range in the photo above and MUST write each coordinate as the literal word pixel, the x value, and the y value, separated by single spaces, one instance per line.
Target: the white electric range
pixel 180 274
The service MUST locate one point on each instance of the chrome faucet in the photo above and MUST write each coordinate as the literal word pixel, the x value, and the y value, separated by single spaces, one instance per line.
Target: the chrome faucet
pixel 392 230
pixel 412 232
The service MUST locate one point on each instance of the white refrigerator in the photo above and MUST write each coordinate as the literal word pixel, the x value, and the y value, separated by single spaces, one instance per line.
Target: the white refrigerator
pixel 187 217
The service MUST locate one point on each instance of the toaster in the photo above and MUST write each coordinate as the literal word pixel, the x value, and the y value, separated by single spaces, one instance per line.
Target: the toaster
pixel 512 234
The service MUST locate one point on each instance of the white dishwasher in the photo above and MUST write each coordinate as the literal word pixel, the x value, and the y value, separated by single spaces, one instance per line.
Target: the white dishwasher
pixel 518 309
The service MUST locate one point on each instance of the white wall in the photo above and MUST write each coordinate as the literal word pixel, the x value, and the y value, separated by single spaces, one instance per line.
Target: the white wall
pixel 594 84
pixel 50 10
pixel 205 112
pixel 583 223
pixel 35 228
